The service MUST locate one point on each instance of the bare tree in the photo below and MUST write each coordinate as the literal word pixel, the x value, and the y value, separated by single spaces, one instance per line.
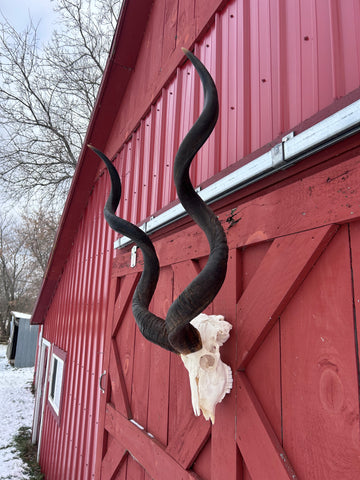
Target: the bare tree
pixel 38 229
pixel 47 93
pixel 25 247
pixel 15 274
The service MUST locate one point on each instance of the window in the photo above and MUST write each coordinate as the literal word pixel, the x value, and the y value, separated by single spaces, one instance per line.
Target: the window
pixel 56 379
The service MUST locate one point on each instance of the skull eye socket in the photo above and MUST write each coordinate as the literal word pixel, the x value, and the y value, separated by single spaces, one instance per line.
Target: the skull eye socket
pixel 207 361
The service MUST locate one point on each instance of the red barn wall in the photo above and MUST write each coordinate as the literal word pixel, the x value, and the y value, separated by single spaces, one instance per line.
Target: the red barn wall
pixel 75 323
pixel 275 64
pixel 278 65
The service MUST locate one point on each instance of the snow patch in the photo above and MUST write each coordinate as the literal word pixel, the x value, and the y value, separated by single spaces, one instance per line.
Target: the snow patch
pixel 16 410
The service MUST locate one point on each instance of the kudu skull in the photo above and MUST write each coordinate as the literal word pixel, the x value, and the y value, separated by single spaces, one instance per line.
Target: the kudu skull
pixel 177 333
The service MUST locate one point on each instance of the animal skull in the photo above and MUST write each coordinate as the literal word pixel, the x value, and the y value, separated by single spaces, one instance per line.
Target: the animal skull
pixel 210 378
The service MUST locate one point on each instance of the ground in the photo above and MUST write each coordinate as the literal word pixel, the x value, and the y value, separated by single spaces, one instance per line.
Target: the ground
pixel 16 410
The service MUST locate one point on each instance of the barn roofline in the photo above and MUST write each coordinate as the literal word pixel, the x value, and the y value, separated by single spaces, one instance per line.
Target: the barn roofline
pixel 121 62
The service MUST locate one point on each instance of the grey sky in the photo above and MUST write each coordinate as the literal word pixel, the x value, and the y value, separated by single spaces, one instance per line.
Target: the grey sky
pixel 18 13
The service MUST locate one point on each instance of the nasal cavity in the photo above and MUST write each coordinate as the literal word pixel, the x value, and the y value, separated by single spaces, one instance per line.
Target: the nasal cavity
pixel 207 361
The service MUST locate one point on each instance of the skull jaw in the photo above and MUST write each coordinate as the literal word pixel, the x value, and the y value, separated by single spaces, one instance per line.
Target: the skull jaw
pixel 210 378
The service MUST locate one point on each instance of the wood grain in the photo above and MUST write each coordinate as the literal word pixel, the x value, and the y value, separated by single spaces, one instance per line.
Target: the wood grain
pixel 282 270
pixel 146 450
pixel 264 457
pixel 113 460
pixel 159 368
pixel 223 448
pixel 319 371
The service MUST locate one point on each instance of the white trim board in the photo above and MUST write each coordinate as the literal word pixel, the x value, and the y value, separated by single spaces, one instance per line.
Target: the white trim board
pixel 292 149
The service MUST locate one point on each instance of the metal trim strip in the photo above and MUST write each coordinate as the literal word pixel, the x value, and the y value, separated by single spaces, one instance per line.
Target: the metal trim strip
pixel 333 129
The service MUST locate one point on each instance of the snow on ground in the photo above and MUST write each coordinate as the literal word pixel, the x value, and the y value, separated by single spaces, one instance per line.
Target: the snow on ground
pixel 16 410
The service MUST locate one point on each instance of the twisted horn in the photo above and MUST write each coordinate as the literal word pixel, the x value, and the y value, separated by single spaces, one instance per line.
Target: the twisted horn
pixel 203 289
pixel 152 327
pixel 176 333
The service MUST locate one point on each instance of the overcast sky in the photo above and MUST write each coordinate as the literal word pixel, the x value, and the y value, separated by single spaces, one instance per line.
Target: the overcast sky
pixel 19 11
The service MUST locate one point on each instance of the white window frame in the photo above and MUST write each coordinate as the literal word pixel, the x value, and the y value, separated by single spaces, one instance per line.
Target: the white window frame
pixel 45 345
pixel 56 379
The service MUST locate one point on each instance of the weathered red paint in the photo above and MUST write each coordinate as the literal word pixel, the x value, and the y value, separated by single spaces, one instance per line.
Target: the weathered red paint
pixel 279 66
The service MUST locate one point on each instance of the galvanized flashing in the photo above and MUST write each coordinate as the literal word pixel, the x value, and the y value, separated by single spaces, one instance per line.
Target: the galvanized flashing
pixel 291 150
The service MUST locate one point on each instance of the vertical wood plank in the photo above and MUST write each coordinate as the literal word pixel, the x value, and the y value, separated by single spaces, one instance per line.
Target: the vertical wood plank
pixel 113 460
pixel 123 337
pixel 319 372
pixel 264 374
pixel 159 375
pixel 325 67
pixel 123 301
pixel 140 383
pixel 102 437
pixel 264 457
pixel 119 394
pixel 122 473
pixel 134 469
pixel 202 463
pixel 158 409
pixel 265 76
pixel 223 447
pixel 187 433
pixel 355 265
pixel 192 434
pixel 308 58
pixel 125 342
pixel 139 394
pixel 282 270
pixel 184 273
pixel 251 259
pixel 263 370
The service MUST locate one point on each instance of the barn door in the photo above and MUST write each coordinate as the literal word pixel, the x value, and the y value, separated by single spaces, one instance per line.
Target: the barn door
pixel 150 429
pixel 293 299
pixel 297 391
pixel 293 354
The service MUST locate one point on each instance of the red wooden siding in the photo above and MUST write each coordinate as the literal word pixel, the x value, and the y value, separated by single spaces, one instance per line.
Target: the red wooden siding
pixel 275 64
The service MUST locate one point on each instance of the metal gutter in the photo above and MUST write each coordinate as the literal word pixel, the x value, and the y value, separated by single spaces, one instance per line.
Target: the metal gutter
pixel 292 149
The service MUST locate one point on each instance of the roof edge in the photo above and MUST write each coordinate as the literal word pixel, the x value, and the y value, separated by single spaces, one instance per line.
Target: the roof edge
pixel 130 29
